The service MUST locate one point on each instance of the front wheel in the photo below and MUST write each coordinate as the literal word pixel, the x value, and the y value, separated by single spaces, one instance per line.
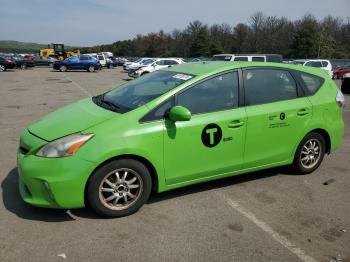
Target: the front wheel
pixel 309 154
pixel 63 68
pixel 2 68
pixel 110 66
pixel 119 188
pixel 23 66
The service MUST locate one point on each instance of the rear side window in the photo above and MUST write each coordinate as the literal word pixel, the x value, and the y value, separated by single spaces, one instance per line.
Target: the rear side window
pixel 84 58
pixel 258 59
pixel 268 85
pixel 100 57
pixel 241 58
pixel 215 94
pixel 311 82
pixel 314 64
pixel 324 63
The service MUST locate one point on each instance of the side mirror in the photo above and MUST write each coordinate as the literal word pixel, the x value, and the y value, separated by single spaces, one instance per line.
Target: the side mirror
pixel 179 113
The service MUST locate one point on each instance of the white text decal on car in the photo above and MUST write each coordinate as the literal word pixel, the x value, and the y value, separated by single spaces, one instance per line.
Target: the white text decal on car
pixel 182 77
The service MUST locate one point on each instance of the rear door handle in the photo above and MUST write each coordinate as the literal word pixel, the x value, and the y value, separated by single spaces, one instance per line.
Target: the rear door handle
pixel 236 124
pixel 303 112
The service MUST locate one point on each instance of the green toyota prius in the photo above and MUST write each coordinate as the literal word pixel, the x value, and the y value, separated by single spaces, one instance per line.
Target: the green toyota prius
pixel 178 126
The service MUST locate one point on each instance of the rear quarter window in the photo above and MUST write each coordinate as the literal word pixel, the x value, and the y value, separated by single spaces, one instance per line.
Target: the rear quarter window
pixel 312 83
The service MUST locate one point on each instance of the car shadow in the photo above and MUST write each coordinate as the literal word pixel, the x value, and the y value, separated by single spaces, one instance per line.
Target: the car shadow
pixel 219 183
pixel 13 202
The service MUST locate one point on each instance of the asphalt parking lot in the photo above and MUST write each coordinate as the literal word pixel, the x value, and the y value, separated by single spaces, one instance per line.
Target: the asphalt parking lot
pixel 271 215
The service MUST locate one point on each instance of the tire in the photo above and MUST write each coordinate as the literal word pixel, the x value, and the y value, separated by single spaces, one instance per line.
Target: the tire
pixel 91 69
pixel 345 88
pixel 306 159
pixel 2 68
pixel 63 68
pixel 23 66
pixel 103 201
pixel 110 66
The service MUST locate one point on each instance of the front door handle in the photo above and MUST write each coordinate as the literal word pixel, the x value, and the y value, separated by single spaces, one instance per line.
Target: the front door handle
pixel 236 124
pixel 303 112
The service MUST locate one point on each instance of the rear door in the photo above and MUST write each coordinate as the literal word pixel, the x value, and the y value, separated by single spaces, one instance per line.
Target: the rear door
pixel 278 115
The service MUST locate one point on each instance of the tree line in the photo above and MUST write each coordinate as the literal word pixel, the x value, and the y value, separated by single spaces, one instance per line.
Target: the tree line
pixel 303 38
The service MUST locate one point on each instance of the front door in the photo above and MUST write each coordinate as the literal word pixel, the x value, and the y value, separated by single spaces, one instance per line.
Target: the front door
pixel 212 142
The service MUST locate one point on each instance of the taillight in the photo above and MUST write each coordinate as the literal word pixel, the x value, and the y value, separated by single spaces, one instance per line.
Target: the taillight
pixel 340 99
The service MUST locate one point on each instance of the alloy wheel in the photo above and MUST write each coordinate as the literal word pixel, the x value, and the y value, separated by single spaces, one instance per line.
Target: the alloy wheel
pixel 120 189
pixel 310 153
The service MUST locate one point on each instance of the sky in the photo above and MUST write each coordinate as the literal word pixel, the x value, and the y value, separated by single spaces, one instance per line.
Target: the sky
pixel 91 22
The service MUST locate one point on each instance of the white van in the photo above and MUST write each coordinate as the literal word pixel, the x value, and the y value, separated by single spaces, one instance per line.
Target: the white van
pixel 249 57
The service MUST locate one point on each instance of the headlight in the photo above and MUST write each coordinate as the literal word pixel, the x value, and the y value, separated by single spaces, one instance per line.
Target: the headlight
pixel 65 146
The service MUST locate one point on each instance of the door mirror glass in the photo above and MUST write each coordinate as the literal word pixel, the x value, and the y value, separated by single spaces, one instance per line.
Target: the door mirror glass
pixel 179 113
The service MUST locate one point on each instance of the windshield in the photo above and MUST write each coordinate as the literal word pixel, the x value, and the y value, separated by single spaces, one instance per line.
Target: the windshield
pixel 140 91
pixel 147 62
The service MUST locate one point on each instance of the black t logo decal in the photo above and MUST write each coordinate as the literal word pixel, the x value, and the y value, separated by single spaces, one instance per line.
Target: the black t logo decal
pixel 211 135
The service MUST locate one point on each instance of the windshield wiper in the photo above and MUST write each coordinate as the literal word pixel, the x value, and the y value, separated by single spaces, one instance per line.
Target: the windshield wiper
pixel 99 100
pixel 109 103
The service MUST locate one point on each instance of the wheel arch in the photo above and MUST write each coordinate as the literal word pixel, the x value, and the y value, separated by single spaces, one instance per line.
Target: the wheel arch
pixel 326 137
pixel 146 162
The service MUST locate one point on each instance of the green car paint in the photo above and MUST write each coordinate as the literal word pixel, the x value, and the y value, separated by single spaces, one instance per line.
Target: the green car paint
pixel 182 148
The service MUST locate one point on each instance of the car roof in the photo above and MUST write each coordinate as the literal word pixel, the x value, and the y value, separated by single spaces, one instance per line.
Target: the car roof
pixel 213 67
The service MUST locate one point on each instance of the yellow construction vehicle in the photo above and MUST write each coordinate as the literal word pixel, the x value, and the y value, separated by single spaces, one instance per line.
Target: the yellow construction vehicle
pixel 57 51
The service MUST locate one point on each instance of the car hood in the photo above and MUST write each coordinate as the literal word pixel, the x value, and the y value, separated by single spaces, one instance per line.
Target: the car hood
pixel 70 119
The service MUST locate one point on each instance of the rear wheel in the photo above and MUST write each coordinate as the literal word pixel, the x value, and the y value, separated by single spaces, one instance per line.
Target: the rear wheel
pixel 110 66
pixel 91 69
pixel 119 188
pixel 2 68
pixel 23 66
pixel 63 68
pixel 309 154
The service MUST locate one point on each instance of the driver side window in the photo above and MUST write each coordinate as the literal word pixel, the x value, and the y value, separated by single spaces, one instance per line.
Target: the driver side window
pixel 215 94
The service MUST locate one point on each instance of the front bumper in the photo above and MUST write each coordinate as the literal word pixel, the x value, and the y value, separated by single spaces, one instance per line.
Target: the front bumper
pixel 51 182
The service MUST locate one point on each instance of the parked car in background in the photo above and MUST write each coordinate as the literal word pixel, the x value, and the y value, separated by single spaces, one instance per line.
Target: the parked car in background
pixel 6 64
pixel 249 57
pixel 135 64
pixel 44 61
pixel 102 59
pixel 107 54
pixel 82 62
pixel 180 125
pixel 340 71
pixel 345 85
pixel 114 62
pixel 22 62
pixel 319 63
pixel 154 65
